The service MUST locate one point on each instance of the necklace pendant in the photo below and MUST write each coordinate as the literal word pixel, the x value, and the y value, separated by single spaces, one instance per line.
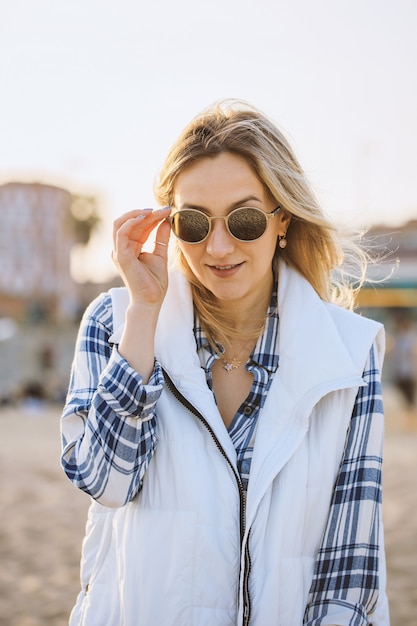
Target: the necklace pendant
pixel 234 364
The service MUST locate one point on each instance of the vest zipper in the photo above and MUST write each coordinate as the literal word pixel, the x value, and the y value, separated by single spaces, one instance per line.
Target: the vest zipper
pixel 246 595
pixel 242 495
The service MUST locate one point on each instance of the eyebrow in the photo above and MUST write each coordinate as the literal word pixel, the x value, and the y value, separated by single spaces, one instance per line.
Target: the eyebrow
pixel 235 205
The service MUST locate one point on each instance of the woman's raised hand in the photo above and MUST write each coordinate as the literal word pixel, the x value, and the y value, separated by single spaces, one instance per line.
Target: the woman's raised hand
pixel 144 273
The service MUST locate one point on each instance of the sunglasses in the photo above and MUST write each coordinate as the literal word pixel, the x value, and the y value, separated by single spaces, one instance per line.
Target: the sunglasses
pixel 244 224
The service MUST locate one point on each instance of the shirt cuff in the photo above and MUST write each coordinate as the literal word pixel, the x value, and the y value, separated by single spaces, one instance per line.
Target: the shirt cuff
pixel 331 612
pixel 123 389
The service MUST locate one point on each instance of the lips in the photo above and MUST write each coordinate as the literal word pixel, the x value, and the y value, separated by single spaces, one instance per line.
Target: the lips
pixel 225 271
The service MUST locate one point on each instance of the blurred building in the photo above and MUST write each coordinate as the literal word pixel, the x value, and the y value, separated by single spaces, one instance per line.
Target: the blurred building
pixel 40 225
pixel 392 300
pixel 40 303
pixel 396 275
pixel 35 247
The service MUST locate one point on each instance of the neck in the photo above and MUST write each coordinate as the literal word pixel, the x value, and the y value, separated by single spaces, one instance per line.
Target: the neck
pixel 233 322
pixel 248 313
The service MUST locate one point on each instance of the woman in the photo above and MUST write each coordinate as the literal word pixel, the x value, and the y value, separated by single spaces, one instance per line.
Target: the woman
pixel 224 413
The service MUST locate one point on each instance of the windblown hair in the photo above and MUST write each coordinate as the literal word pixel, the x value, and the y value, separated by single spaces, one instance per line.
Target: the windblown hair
pixel 333 264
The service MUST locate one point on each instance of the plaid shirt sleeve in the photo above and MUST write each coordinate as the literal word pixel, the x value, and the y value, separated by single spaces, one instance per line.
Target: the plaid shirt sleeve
pixel 108 422
pixel 348 587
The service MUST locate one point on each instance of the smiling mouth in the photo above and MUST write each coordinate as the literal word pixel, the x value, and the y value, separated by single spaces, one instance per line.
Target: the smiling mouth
pixel 225 267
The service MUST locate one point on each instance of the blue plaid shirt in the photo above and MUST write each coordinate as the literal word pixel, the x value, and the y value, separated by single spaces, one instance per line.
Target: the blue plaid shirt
pixel 106 446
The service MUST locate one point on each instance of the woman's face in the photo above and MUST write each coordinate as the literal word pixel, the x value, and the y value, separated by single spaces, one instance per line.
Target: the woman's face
pixel 232 270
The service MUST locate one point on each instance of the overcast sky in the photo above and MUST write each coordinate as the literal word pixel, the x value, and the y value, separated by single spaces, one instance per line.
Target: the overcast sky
pixel 93 93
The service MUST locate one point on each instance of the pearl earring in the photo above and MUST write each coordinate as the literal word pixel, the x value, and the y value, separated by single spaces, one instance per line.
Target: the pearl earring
pixel 282 241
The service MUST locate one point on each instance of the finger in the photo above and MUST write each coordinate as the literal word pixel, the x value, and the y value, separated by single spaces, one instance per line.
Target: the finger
pixel 135 213
pixel 122 219
pixel 142 227
pixel 162 239
pixel 137 225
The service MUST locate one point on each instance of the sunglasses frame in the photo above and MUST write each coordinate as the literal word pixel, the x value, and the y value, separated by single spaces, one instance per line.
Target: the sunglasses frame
pixel 210 218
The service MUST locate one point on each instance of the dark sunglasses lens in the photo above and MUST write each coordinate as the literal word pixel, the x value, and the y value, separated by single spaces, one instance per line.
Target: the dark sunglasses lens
pixel 247 224
pixel 190 226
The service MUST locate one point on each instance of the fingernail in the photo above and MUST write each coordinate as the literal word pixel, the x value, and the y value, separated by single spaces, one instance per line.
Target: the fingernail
pixel 166 207
pixel 142 216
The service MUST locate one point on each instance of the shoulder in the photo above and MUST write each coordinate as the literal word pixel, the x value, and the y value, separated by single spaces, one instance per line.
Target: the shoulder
pixel 358 331
pixel 100 311
pixel 351 321
pixel 298 301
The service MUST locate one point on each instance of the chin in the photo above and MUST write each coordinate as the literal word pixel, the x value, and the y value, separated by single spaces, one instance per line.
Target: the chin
pixel 227 295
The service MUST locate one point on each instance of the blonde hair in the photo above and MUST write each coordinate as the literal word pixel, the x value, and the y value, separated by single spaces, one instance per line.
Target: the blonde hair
pixel 333 264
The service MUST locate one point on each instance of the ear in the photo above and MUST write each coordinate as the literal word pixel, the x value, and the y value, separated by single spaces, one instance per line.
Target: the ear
pixel 284 221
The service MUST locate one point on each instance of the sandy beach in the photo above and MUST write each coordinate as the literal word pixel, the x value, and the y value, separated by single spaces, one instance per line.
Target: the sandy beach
pixel 43 517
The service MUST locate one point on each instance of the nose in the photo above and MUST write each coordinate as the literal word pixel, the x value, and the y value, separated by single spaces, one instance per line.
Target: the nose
pixel 220 242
